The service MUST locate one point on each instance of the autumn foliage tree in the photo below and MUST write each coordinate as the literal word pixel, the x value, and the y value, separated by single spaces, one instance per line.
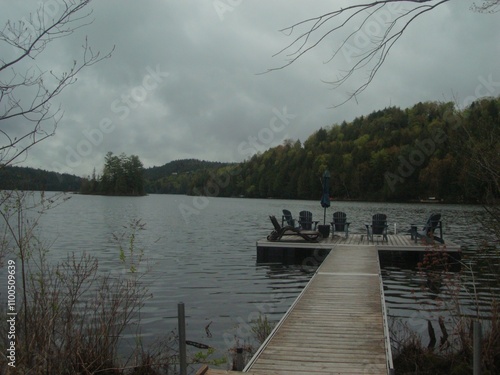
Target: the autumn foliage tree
pixel 393 154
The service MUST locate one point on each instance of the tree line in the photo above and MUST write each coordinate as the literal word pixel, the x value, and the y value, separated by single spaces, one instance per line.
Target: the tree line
pixel 25 178
pixel 429 150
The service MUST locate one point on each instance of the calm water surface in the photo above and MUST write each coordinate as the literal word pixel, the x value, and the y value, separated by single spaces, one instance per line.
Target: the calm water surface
pixel 201 251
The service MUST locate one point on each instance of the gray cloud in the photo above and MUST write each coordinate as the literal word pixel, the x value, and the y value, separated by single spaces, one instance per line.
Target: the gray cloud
pixel 207 100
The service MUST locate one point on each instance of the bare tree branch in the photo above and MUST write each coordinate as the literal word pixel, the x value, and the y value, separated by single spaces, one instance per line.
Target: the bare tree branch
pixel 372 57
pixel 26 91
pixel 488 6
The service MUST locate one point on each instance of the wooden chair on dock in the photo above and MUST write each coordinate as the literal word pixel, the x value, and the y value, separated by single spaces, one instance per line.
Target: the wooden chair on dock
pixel 340 224
pixel 306 220
pixel 378 227
pixel 279 231
pixel 288 218
pixel 429 230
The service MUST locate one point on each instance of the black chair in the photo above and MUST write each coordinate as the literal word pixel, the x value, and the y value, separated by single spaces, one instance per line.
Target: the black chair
pixel 428 232
pixel 306 222
pixel 278 232
pixel 340 224
pixel 378 227
pixel 288 218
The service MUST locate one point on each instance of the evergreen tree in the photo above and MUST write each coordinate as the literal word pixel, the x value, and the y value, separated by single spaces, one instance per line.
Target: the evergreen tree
pixel 121 175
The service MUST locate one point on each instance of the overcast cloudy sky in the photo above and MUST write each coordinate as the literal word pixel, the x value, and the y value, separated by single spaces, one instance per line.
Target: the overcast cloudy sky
pixel 183 79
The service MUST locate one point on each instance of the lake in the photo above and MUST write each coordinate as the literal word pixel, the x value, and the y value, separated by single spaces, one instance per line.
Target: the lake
pixel 202 251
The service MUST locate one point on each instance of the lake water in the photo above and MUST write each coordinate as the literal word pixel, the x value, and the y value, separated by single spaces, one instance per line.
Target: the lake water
pixel 201 251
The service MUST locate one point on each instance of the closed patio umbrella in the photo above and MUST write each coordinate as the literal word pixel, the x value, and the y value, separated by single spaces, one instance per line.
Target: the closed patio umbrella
pixel 325 197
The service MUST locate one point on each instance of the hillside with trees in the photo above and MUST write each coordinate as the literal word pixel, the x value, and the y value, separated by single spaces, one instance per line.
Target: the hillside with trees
pixel 125 175
pixel 24 178
pixel 179 166
pixel 429 150
pixel 176 177
pixel 156 179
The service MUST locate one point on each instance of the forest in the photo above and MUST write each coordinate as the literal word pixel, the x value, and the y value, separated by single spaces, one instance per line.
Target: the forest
pixel 25 178
pixel 429 150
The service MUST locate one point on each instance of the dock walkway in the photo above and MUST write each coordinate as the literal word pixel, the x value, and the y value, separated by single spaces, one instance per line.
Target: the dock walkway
pixel 336 325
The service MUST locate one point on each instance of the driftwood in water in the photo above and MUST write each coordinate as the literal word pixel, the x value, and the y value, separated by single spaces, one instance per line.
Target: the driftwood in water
pixel 444 338
pixel 432 334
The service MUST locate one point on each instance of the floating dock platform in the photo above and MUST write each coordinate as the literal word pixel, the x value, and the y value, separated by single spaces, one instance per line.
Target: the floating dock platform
pixel 292 249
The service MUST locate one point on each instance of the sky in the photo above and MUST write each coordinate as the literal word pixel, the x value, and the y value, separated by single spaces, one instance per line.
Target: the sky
pixel 189 79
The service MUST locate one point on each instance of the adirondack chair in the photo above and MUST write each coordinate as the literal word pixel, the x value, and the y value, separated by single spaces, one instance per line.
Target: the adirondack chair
pixel 428 232
pixel 279 231
pixel 288 218
pixel 378 227
pixel 306 222
pixel 340 224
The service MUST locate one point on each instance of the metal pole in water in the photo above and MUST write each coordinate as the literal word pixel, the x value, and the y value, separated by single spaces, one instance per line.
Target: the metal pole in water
pixel 477 347
pixel 182 338
pixel 238 361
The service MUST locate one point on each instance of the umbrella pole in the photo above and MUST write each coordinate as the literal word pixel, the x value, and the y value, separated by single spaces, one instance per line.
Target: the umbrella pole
pixel 324 217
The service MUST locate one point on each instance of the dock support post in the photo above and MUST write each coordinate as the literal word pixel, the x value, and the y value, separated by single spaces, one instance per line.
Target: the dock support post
pixel 476 330
pixel 238 360
pixel 182 338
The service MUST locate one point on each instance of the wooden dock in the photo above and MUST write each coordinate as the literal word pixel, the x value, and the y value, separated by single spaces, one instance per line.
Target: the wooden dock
pixel 338 324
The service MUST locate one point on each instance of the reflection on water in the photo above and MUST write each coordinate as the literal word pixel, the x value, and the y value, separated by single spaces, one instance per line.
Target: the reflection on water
pixel 421 296
pixel 202 252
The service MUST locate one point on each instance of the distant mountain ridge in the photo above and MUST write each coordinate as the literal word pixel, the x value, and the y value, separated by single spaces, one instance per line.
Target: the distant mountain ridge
pixel 180 166
pixel 27 178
